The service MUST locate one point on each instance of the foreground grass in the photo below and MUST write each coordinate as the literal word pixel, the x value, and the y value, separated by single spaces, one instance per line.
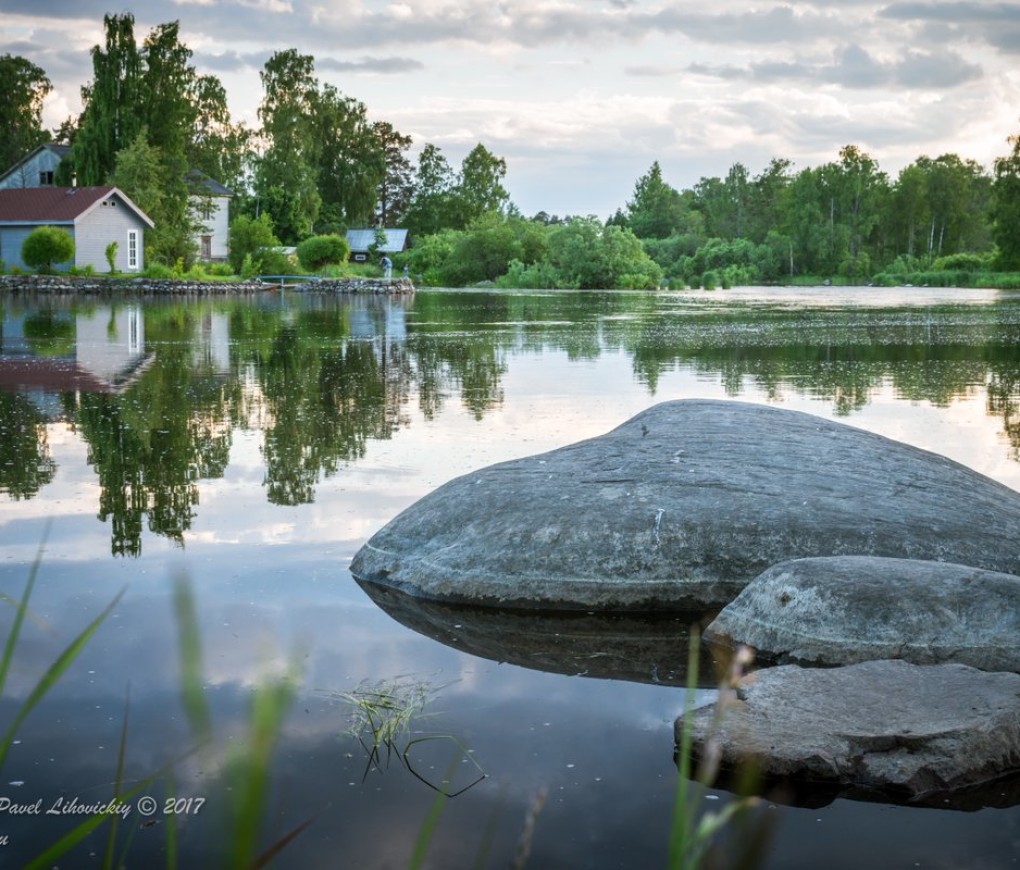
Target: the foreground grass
pixel 248 768
pixel 383 714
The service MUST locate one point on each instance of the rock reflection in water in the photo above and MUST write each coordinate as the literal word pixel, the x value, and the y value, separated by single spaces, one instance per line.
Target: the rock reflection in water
pixel 997 794
pixel 637 647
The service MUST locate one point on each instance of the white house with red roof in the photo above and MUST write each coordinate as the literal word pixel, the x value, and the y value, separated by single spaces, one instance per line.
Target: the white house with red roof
pixel 94 216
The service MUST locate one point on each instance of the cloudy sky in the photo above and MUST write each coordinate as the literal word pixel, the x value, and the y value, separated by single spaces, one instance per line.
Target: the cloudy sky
pixel 580 96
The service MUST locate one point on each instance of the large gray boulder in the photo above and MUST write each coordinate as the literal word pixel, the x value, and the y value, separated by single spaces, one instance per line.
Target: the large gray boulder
pixel 882 728
pixel 682 506
pixel 846 609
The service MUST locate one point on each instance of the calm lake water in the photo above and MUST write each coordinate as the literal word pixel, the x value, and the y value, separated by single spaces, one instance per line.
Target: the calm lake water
pixel 253 445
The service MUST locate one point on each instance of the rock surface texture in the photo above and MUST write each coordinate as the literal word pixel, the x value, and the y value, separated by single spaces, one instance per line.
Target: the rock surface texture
pixel 682 506
pixel 883 727
pixel 842 610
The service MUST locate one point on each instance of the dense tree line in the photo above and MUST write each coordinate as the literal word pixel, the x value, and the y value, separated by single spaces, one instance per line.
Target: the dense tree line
pixel 316 165
pixel 845 218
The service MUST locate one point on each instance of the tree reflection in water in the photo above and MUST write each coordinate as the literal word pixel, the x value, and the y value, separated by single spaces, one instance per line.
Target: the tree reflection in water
pixel 322 377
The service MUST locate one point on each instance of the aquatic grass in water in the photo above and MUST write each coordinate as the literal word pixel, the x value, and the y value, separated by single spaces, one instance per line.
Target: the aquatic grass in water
pixel 383 714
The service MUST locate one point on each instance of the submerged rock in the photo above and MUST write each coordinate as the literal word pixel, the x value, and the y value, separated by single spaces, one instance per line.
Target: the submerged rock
pixel 848 609
pixel 681 507
pixel 877 728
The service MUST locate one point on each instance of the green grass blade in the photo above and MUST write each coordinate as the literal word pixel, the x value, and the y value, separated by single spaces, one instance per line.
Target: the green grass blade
pixel 22 609
pixel 118 781
pixel 680 832
pixel 54 673
pixel 196 706
pixel 428 828
pixel 269 854
pixel 29 614
pixel 46 859
pixel 269 707
pixel 171 823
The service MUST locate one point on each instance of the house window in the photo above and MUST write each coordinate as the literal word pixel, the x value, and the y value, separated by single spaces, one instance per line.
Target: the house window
pixel 206 247
pixel 46 178
pixel 132 249
pixel 135 330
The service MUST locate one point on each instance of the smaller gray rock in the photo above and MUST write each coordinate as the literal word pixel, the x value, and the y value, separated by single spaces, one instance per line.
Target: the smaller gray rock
pixel 847 609
pixel 885 728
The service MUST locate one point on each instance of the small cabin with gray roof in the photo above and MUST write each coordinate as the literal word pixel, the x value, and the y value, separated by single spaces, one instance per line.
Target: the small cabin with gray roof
pixel 362 241
pixel 94 217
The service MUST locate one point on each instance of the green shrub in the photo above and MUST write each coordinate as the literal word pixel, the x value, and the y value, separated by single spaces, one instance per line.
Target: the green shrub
pixel 158 271
pixel 336 270
pixel 887 279
pixel 929 278
pixel 589 255
pixel 999 280
pixel 250 236
pixel 537 276
pixel 219 270
pixel 904 264
pixel 710 280
pixel 45 246
pixel 111 256
pixel 318 251
pixel 961 263
pixel 247 269
pixel 431 254
pixel 272 261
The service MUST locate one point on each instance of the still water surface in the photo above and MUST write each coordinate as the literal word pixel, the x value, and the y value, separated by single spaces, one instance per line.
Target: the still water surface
pixel 253 445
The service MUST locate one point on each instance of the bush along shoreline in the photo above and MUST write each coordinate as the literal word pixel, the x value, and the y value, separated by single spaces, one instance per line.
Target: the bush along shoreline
pixel 101 284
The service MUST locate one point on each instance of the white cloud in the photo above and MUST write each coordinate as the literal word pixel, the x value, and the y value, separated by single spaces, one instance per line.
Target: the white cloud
pixel 564 88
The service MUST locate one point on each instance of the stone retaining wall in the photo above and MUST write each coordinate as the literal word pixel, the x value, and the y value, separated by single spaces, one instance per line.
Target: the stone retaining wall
pixel 360 285
pixel 98 284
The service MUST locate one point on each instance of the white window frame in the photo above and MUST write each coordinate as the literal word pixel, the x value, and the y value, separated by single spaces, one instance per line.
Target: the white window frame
pixel 132 250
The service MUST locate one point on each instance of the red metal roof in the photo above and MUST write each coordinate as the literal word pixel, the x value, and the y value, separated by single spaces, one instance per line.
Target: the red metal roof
pixel 49 204
pixel 50 375
pixel 59 375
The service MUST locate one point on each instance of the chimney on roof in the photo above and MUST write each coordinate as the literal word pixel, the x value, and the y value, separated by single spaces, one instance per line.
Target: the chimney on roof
pixel 74 180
